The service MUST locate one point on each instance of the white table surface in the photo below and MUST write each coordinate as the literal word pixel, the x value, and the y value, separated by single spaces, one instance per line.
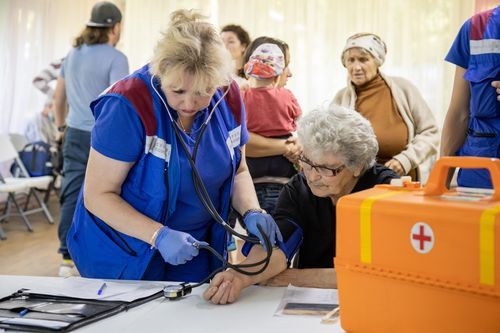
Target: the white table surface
pixel 253 312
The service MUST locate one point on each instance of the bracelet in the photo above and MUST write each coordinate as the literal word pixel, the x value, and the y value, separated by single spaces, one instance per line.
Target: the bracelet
pixel 153 238
pixel 61 129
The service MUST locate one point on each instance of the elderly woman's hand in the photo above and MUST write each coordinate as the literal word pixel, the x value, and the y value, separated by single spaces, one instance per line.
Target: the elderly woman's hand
pixel 293 149
pixel 224 288
pixel 396 166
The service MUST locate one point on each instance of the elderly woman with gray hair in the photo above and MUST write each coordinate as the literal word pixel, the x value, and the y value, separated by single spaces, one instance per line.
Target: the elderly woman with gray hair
pixel 339 151
pixel 404 125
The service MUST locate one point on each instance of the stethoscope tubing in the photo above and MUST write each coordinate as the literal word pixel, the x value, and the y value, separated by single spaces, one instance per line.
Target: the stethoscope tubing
pixel 207 202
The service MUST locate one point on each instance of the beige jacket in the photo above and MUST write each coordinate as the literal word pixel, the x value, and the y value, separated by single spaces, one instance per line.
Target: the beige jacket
pixel 423 133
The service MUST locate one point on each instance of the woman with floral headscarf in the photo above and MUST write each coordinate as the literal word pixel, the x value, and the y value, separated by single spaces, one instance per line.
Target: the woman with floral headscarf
pixel 404 125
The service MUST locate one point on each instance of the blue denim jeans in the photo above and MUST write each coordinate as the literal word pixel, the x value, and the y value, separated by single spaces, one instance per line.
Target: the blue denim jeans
pixel 76 148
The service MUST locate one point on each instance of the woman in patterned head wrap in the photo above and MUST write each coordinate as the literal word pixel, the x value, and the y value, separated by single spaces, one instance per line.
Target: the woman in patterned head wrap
pixel 405 127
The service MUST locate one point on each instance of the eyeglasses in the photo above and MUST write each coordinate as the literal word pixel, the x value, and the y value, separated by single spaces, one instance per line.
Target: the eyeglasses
pixel 321 170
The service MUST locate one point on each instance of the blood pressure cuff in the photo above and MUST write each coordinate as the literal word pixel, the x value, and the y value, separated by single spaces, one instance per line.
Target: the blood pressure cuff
pixel 291 242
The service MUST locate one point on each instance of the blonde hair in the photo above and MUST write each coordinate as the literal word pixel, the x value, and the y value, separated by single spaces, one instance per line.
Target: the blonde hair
pixel 194 47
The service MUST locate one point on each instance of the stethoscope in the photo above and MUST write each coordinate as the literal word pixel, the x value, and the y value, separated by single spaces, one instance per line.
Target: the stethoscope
pixel 173 292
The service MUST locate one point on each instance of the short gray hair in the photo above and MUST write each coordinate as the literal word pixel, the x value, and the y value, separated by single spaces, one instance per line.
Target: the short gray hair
pixel 340 131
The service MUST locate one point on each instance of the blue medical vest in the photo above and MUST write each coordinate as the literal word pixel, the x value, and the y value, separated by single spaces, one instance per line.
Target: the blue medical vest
pixel 100 251
pixel 483 136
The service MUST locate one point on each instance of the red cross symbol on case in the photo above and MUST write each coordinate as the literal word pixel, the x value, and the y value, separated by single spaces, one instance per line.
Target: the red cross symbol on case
pixel 422 237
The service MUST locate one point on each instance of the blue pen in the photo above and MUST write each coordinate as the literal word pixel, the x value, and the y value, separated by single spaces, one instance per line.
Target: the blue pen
pixel 22 313
pixel 99 292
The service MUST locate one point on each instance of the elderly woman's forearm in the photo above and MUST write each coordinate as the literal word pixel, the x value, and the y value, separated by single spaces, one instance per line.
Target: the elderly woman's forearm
pixel 307 277
pixel 277 264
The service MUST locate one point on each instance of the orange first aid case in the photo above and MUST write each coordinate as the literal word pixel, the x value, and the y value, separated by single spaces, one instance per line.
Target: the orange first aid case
pixel 420 260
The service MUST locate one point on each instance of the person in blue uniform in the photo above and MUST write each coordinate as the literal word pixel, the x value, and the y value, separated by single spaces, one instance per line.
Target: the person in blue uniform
pixel 472 124
pixel 139 215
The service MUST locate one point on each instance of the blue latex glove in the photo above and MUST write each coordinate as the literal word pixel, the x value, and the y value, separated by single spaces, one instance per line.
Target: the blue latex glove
pixel 176 247
pixel 266 221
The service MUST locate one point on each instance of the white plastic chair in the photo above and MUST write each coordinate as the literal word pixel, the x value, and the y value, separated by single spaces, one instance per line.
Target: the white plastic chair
pixel 19 141
pixel 14 185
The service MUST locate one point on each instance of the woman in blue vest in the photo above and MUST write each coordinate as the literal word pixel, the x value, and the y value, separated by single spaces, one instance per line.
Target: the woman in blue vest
pixel 472 124
pixel 160 131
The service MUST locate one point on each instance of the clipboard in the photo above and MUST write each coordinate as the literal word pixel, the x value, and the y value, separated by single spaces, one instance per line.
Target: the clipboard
pixel 31 312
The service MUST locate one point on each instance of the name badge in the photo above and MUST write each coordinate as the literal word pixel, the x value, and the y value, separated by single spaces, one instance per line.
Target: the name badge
pixel 235 137
pixel 158 147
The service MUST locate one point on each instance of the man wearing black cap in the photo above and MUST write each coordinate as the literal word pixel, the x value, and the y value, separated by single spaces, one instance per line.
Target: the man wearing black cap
pixel 92 65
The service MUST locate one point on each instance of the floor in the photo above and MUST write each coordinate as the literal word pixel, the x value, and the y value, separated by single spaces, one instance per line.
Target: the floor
pixel 31 253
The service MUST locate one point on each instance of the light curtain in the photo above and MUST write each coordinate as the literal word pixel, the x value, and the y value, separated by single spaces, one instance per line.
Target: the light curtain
pixel 33 33
pixel 418 34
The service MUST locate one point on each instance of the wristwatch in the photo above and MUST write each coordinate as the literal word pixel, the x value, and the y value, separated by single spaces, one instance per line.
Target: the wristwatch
pixel 61 129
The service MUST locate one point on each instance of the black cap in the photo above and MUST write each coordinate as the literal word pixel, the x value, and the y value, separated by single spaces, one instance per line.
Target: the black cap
pixel 104 15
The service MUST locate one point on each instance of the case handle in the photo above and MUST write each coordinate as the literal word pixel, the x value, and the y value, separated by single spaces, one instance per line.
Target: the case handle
pixel 437 179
